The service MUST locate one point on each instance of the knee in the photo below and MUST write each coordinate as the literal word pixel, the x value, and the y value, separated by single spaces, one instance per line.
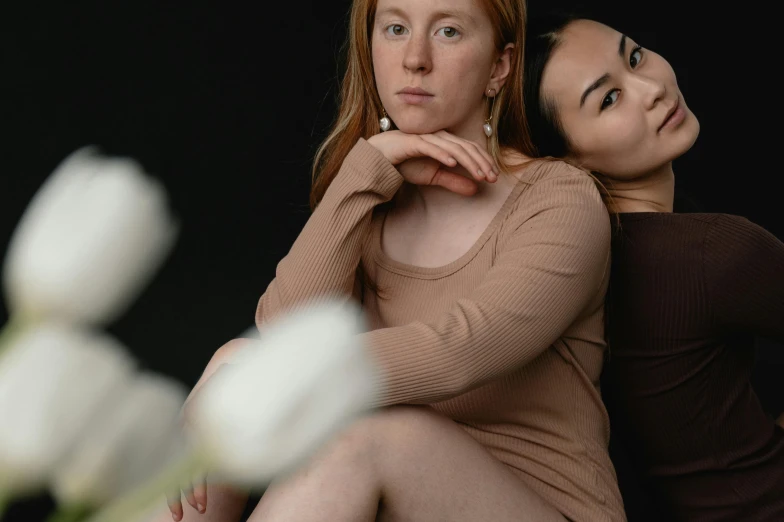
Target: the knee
pixel 221 356
pixel 388 432
pixel 224 354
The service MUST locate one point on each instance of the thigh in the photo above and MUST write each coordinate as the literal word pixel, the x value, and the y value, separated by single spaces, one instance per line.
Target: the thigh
pixel 432 470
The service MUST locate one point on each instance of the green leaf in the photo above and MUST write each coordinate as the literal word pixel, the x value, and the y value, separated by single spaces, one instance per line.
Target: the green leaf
pixel 5 501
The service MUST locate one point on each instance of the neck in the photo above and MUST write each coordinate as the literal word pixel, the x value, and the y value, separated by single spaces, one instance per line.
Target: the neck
pixel 653 192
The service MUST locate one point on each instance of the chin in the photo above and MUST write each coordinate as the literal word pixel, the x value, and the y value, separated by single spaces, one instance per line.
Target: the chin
pixel 417 127
pixel 418 120
pixel 690 135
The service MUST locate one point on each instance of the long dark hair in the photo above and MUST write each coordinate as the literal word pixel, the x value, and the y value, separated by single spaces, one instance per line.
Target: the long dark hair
pixel 544 127
pixel 542 39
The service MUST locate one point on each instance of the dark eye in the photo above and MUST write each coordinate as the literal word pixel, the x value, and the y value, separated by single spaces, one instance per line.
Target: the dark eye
pixel 449 32
pixel 636 57
pixel 396 29
pixel 611 98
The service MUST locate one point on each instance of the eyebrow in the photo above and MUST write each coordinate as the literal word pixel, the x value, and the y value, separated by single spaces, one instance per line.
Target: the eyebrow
pixel 389 11
pixel 601 81
pixel 447 13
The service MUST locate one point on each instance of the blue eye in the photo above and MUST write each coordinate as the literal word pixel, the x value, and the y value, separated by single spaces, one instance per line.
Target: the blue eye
pixel 611 98
pixel 449 32
pixel 396 30
pixel 636 57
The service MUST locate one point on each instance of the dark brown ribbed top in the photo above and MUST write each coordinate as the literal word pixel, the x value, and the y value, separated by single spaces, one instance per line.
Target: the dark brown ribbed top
pixel 507 340
pixel 688 294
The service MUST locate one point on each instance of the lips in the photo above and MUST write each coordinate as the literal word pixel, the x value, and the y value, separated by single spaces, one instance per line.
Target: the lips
pixel 416 91
pixel 670 113
pixel 415 96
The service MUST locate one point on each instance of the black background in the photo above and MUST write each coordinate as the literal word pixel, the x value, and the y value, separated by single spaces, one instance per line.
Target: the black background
pixel 226 104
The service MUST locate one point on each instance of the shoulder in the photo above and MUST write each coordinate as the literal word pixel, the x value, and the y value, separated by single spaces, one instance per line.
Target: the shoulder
pixel 559 197
pixel 730 225
pixel 536 170
pixel 555 184
pixel 736 239
pixel 742 260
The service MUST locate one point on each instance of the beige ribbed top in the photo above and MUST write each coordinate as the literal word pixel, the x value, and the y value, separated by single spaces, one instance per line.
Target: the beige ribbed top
pixel 507 340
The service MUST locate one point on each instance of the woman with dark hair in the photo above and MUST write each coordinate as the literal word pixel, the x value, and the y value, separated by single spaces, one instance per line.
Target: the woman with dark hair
pixel 482 275
pixel 688 292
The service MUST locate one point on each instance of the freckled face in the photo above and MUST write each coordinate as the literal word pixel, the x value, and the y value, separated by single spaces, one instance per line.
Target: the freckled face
pixel 432 61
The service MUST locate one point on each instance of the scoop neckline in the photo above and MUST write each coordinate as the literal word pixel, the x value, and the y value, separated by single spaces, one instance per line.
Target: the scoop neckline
pixel 437 272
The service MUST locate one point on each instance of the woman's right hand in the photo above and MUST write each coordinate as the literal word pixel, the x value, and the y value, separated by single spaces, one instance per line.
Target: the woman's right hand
pixel 420 159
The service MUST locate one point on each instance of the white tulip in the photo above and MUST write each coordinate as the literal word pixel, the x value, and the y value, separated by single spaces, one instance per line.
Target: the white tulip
pixel 284 396
pixel 252 332
pixel 129 444
pixel 54 380
pixel 91 238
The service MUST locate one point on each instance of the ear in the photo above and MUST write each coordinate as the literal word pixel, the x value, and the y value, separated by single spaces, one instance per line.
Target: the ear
pixel 501 68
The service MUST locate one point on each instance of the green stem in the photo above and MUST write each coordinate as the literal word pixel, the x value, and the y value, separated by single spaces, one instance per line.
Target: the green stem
pixel 132 503
pixel 5 501
pixel 72 513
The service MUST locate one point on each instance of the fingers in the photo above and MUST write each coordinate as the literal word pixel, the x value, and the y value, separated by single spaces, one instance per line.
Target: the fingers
pixel 470 155
pixel 455 183
pixel 461 154
pixel 473 147
pixel 200 493
pixel 187 491
pixel 432 150
pixel 175 505
pixel 195 494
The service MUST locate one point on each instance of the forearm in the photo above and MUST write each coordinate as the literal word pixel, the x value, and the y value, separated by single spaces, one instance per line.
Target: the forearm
pixel 325 256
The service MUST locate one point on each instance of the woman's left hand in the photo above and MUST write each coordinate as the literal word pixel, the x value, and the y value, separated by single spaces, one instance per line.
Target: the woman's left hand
pixel 425 159
pixel 195 491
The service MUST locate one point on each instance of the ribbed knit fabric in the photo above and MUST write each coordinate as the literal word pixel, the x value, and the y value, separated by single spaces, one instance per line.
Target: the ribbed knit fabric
pixel 507 340
pixel 688 294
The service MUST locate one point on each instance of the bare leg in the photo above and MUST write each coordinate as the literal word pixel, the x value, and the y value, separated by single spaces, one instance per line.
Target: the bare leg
pixel 404 464
pixel 223 504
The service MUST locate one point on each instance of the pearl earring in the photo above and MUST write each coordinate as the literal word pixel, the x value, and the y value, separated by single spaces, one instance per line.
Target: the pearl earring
pixel 384 122
pixel 487 127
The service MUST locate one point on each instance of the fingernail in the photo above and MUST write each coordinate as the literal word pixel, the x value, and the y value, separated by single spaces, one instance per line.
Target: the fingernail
pixel 176 517
pixel 200 507
pixel 481 175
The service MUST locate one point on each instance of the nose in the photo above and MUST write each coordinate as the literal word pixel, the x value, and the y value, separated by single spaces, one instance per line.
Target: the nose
pixel 653 90
pixel 417 57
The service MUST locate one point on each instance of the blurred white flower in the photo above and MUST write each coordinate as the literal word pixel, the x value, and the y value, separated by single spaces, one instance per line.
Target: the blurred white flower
pixel 89 241
pixel 284 396
pixel 55 379
pixel 252 332
pixel 130 443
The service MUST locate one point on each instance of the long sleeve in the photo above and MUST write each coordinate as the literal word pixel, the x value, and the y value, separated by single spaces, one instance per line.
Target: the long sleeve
pixel 744 267
pixel 552 262
pixel 325 256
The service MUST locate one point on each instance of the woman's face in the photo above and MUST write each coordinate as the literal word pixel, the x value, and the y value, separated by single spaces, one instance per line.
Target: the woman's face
pixel 619 104
pixel 433 62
